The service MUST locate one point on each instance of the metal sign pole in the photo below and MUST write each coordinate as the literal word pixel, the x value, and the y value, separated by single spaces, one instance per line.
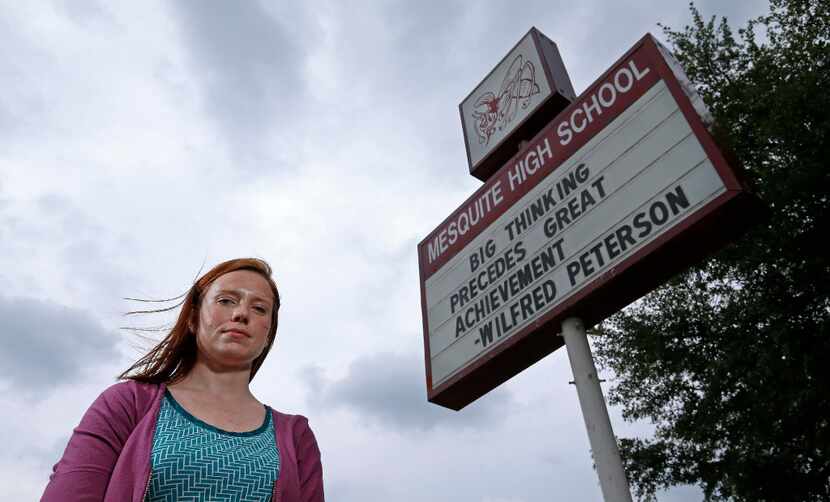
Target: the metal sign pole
pixel 612 478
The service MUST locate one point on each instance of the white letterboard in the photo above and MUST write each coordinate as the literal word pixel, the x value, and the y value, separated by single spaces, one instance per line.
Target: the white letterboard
pixel 637 178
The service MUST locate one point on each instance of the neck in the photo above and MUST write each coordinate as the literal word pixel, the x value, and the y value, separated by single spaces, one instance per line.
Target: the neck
pixel 222 383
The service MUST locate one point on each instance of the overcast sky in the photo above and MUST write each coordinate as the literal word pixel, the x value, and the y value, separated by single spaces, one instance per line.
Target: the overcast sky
pixel 142 141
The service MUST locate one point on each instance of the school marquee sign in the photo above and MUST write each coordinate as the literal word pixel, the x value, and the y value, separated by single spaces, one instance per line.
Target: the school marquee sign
pixel 616 193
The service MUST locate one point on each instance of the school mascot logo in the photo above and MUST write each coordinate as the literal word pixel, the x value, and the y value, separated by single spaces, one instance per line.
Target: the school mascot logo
pixel 494 112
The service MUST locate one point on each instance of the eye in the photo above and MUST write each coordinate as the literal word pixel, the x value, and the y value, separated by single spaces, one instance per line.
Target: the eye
pixel 224 301
pixel 259 309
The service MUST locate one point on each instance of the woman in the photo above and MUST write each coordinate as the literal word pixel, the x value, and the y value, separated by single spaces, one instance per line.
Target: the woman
pixel 184 424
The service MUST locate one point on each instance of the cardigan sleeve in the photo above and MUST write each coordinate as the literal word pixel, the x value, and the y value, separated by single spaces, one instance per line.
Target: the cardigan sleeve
pixel 309 466
pixel 82 474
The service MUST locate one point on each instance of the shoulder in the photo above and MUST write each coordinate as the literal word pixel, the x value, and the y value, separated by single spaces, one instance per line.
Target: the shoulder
pixel 294 426
pixel 128 398
pixel 132 388
pixel 131 391
pixel 289 422
pixel 288 417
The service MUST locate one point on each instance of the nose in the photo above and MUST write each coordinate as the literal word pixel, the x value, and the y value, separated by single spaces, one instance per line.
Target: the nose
pixel 240 313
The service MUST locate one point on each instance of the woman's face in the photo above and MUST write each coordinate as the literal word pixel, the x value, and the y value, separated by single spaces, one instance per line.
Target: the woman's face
pixel 233 320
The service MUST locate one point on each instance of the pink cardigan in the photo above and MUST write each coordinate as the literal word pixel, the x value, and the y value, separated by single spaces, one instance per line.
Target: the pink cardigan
pixel 108 456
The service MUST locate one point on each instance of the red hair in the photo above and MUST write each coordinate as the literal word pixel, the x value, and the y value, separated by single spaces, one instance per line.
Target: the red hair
pixel 174 356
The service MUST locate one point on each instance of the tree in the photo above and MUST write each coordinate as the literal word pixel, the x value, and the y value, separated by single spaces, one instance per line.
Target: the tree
pixel 731 359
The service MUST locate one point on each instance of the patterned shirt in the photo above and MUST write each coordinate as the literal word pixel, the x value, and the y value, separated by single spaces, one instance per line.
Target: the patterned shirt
pixel 193 461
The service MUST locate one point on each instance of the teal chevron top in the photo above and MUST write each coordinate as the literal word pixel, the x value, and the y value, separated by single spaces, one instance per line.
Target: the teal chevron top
pixel 194 461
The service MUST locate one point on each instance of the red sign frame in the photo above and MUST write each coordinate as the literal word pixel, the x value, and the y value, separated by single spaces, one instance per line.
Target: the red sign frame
pixel 704 231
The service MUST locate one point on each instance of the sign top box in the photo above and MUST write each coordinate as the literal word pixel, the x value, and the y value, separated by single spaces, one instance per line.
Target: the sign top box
pixel 514 102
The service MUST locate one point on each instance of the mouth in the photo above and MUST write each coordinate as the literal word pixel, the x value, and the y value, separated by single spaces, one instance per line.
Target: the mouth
pixel 236 333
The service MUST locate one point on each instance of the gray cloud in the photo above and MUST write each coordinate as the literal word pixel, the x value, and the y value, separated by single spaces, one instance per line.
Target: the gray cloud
pixel 388 389
pixel 248 62
pixel 45 343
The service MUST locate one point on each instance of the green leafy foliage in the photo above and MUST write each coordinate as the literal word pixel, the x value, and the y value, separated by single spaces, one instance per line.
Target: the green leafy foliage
pixel 731 360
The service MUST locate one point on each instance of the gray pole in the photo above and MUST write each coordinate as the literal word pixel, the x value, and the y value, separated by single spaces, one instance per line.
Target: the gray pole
pixel 612 478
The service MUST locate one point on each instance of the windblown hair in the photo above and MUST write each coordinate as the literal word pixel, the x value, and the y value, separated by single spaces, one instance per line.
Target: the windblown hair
pixel 175 355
